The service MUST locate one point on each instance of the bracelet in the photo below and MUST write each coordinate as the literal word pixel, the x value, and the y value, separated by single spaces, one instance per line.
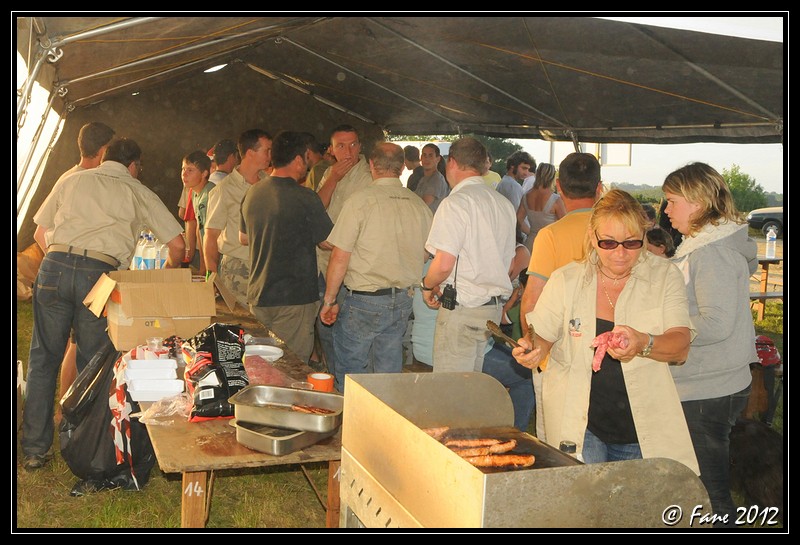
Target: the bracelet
pixel 327 304
pixel 647 349
pixel 423 286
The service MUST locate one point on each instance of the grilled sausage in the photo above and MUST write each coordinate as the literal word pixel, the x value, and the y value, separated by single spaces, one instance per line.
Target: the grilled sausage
pixel 309 409
pixel 485 451
pixel 471 443
pixel 502 460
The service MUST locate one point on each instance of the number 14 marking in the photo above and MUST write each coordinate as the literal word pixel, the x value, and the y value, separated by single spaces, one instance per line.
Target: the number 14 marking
pixel 194 488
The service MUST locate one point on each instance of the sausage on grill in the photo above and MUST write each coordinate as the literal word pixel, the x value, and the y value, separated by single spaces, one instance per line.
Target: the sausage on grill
pixel 502 460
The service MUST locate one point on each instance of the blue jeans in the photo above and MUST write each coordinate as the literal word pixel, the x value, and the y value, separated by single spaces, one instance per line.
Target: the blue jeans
pixel 500 364
pixel 595 450
pixel 368 334
pixel 710 422
pixel 63 282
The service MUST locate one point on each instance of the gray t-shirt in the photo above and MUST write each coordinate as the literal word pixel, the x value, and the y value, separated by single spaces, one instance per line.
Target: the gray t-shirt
pixel 435 185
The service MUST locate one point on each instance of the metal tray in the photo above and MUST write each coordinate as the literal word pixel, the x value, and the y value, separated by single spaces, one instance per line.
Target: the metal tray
pixel 275 441
pixel 271 406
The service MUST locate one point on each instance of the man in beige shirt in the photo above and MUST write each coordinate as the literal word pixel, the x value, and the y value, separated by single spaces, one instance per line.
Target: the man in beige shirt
pixel 348 175
pixel 378 252
pixel 223 252
pixel 88 224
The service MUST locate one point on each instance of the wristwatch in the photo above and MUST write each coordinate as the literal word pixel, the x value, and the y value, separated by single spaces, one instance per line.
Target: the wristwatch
pixel 423 286
pixel 647 349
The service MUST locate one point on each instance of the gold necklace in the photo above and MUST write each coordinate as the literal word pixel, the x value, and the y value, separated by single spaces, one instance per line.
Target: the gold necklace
pixel 603 285
pixel 612 278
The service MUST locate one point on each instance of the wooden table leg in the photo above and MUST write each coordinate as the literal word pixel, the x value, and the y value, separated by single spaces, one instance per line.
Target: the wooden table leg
pixel 332 515
pixel 194 503
pixel 761 305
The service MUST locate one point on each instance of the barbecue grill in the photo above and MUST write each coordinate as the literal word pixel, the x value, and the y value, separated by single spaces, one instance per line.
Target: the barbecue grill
pixel 395 475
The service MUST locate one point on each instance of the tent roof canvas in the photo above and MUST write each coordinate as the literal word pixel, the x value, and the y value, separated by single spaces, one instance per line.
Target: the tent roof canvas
pixel 555 78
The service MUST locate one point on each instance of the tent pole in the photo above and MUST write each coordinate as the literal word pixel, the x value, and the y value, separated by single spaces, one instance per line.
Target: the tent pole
pixel 42 157
pixel 168 54
pixel 35 141
pixel 46 46
pixel 470 74
pixel 373 82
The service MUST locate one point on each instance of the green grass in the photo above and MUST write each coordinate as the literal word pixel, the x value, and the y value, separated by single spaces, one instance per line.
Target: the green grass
pixel 275 497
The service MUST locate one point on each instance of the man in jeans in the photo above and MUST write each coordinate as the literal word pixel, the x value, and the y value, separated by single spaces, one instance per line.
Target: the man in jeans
pixel 88 224
pixel 378 252
pixel 472 240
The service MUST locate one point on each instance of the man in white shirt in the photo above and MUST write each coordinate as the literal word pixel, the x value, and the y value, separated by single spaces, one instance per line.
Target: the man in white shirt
pixel 472 239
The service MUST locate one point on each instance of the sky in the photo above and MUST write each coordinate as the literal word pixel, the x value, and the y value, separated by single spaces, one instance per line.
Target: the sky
pixel 651 163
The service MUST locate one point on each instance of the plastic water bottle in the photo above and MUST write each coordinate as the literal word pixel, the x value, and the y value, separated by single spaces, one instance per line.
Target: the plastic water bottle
pixel 149 254
pixel 136 263
pixel 772 236
pixel 163 255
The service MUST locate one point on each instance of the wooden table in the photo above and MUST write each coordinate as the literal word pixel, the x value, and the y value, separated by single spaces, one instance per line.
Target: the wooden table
pixel 760 298
pixel 196 449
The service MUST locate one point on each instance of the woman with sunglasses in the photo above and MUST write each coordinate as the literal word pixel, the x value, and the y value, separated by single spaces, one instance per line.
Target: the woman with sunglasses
pixel 717 258
pixel 629 408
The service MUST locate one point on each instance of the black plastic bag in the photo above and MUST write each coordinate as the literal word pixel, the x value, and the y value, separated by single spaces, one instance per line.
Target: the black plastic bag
pixel 87 436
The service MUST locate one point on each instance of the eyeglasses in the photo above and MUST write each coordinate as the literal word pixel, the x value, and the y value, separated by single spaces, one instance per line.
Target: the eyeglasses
pixel 610 244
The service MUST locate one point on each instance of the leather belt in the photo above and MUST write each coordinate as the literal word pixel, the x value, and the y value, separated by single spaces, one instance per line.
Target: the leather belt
pixel 492 301
pixel 385 291
pixel 99 256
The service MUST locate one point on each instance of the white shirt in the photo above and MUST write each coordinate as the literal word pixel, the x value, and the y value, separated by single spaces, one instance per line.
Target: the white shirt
pixel 477 225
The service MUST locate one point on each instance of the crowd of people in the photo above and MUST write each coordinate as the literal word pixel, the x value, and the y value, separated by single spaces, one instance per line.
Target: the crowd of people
pixel 631 346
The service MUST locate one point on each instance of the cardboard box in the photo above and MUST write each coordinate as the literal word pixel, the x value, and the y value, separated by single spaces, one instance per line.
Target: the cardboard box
pixel 153 303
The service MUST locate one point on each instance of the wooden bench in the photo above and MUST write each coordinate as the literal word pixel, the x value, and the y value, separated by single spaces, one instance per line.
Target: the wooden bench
pixel 759 299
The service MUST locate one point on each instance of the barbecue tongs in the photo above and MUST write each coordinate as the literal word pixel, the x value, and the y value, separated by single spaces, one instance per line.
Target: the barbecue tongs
pixel 495 329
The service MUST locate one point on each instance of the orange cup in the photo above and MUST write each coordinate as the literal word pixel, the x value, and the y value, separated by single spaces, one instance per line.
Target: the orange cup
pixel 323 382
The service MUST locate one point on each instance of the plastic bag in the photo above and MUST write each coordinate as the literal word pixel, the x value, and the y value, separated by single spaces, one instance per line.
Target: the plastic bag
pixel 103 449
pixel 163 411
pixel 215 370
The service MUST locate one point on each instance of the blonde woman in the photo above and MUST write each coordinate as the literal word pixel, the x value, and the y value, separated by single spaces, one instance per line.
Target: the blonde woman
pixel 627 408
pixel 717 258
pixel 541 205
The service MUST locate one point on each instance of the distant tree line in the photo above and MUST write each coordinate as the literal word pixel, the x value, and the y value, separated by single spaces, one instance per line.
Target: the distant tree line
pixel 747 194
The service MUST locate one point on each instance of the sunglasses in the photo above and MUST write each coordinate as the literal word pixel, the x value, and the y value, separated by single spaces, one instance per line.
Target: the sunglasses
pixel 610 244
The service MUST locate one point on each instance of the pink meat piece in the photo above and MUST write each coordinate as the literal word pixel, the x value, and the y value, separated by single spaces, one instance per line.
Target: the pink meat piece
pixel 603 342
pixel 260 371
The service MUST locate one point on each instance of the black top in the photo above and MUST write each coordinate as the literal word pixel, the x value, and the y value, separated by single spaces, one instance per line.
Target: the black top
pixel 284 222
pixel 416 176
pixel 610 417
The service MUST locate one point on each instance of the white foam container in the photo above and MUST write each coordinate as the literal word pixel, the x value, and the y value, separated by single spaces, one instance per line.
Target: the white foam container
pixel 151 364
pixel 153 390
pixel 269 353
pixel 152 374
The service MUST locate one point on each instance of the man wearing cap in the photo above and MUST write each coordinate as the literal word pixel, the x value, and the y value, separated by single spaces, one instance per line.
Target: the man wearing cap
pixel 472 240
pixel 89 224
pixel 378 252
pixel 223 252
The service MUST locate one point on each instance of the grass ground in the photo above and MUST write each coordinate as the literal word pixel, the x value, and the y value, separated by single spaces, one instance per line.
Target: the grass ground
pixel 269 498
